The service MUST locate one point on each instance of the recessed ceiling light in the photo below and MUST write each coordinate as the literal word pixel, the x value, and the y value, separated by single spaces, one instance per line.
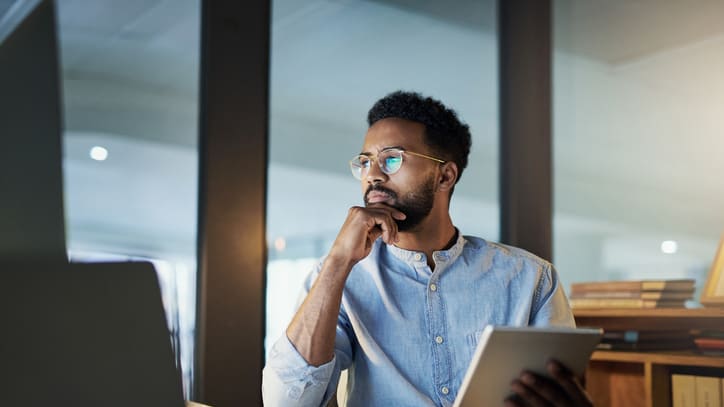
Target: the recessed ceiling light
pixel 98 153
pixel 669 247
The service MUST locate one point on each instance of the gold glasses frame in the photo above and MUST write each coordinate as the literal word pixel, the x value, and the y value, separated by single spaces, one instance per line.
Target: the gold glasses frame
pixel 357 169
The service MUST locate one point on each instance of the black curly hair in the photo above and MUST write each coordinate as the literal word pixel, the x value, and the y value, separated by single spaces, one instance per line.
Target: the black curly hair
pixel 444 132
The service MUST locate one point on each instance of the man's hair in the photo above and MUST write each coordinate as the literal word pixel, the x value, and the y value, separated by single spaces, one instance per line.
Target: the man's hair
pixel 444 132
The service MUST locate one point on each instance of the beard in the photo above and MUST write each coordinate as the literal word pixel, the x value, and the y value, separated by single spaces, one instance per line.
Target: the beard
pixel 416 204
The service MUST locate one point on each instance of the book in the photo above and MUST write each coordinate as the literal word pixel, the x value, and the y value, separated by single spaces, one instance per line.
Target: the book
pixel 683 390
pixel 644 295
pixel 635 285
pixel 624 303
pixel 646 340
pixel 644 346
pixel 710 343
pixel 708 391
pixel 632 335
pixel 709 333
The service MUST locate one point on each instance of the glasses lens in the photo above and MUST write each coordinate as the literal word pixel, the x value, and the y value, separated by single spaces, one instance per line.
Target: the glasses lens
pixel 359 166
pixel 391 161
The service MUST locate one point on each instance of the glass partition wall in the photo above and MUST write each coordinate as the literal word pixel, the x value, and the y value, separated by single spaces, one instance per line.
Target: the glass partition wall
pixel 130 75
pixel 636 123
pixel 638 132
pixel 330 62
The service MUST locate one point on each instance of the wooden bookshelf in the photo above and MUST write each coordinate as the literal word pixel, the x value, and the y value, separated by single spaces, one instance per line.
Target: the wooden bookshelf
pixel 652 318
pixel 643 379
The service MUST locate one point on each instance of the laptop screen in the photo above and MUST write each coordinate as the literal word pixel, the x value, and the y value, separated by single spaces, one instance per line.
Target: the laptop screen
pixel 85 335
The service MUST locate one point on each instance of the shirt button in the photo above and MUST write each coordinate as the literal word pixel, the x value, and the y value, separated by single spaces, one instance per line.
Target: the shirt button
pixel 433 287
pixel 445 390
pixel 418 256
pixel 438 339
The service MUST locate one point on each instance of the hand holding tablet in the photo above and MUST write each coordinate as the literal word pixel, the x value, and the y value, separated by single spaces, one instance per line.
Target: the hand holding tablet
pixel 563 389
pixel 503 353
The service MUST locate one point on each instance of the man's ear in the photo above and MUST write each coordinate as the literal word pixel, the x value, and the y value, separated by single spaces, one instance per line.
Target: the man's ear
pixel 448 176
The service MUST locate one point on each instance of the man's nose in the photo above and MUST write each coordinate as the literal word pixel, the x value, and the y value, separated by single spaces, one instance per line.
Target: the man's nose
pixel 375 174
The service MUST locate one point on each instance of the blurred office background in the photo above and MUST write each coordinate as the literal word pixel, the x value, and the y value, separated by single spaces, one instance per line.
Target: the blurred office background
pixel 637 129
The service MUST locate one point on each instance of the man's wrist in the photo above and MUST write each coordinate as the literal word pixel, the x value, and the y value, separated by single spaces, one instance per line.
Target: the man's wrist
pixel 340 262
pixel 339 265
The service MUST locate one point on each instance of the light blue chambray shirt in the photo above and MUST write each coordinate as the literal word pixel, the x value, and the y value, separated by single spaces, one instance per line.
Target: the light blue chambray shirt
pixel 407 334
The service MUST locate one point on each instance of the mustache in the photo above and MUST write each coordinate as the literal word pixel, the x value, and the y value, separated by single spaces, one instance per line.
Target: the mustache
pixel 379 188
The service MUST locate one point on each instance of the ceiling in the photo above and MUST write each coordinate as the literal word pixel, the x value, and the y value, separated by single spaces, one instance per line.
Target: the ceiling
pixel 638 91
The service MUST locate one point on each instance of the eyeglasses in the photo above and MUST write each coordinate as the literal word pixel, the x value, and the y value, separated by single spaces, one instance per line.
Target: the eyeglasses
pixel 389 160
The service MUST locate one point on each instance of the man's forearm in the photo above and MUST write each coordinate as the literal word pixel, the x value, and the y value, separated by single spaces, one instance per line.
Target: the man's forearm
pixel 313 328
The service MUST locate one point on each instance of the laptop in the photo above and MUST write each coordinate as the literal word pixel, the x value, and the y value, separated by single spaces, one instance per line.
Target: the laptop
pixel 31 177
pixel 85 335
pixel 504 351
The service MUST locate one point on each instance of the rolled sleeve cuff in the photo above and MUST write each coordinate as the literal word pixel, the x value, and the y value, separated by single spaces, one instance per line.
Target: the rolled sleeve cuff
pixel 288 378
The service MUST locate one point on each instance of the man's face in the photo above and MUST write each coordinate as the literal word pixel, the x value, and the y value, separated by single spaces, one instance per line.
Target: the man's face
pixel 410 190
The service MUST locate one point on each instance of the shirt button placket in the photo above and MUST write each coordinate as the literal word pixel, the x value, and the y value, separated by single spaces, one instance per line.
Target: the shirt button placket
pixel 437 327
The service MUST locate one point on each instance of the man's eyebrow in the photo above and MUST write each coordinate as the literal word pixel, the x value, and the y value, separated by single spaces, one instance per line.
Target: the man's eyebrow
pixel 367 153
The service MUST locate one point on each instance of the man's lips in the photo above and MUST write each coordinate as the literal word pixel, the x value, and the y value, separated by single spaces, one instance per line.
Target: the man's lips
pixel 377 196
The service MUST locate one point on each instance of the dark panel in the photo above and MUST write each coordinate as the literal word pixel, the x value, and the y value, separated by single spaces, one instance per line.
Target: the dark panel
pixel 85 335
pixel 31 185
pixel 232 204
pixel 524 36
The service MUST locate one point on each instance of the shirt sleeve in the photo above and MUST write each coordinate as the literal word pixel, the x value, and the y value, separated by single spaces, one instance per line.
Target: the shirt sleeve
pixel 550 303
pixel 287 378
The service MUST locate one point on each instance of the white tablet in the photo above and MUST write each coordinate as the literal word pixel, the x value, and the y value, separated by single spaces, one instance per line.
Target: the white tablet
pixel 503 352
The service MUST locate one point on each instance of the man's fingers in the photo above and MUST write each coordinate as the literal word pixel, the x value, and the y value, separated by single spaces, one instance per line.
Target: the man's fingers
pixel 564 389
pixel 382 222
pixel 362 227
pixel 544 391
pixel 384 216
pixel 513 400
pixel 389 228
pixel 569 383
pixel 388 209
pixel 374 233
pixel 528 393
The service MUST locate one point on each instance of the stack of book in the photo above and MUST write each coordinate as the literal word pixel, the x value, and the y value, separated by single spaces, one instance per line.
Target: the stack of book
pixel 632 294
pixel 643 340
pixel 710 342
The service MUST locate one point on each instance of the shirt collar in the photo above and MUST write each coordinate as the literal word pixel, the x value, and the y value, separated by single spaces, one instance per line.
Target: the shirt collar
pixel 411 256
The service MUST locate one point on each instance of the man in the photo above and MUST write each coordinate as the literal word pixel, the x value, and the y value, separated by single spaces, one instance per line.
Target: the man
pixel 402 296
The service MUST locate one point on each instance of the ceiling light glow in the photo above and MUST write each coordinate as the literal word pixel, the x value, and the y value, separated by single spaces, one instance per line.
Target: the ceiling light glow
pixel 98 153
pixel 280 244
pixel 669 247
